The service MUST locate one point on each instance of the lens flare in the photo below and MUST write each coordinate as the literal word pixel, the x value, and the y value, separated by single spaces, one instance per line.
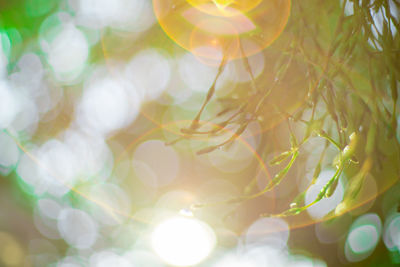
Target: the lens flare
pixel 183 241
pixel 224 7
pixel 226 24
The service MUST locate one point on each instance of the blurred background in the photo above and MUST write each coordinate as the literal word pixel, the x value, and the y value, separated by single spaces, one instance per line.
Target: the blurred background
pixel 95 169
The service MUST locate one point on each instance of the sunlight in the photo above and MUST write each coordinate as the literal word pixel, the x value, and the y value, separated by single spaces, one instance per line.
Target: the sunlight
pixel 224 7
pixel 183 241
pixel 197 23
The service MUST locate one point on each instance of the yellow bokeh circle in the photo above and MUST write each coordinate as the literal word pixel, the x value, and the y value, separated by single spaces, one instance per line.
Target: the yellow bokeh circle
pixel 224 7
pixel 216 29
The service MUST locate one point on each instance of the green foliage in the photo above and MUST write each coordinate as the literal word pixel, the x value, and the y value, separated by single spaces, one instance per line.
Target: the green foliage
pixel 338 66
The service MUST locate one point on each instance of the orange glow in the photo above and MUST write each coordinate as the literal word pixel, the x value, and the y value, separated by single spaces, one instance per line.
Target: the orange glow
pixel 227 24
pixel 224 7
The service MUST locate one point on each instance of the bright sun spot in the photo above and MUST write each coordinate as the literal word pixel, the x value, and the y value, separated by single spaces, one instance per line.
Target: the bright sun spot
pixel 183 241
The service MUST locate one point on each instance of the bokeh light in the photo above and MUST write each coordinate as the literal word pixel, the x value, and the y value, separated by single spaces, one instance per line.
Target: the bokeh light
pixel 77 228
pixel 156 133
pixel 231 29
pixel 363 237
pixel 392 233
pixel 183 241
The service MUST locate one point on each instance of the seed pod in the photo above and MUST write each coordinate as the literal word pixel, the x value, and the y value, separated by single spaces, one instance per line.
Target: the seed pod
pixel 340 209
pixel 353 137
pixel 278 159
pixel 207 150
pixel 326 187
pixel 332 188
pixel 322 133
pixel 289 212
pixel 317 172
pixel 349 150
pixel 336 161
pixel 354 159
pixel 278 177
